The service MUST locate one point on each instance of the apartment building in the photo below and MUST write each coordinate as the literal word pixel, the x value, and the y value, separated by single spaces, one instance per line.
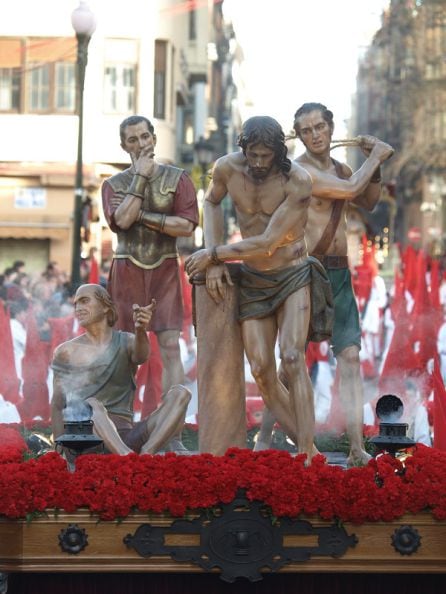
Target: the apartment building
pixel 145 56
pixel 401 98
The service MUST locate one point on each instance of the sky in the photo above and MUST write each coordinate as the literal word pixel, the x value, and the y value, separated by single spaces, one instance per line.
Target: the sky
pixel 302 50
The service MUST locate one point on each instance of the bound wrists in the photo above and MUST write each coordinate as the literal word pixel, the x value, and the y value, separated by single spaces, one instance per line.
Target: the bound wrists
pixel 214 257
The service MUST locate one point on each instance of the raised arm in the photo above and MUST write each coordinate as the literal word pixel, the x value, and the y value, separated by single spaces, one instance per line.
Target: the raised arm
pixel 326 185
pixel 139 346
pixel 121 212
pixel 369 198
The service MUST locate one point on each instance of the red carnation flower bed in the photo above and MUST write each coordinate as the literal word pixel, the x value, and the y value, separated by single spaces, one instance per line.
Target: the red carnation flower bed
pixel 113 486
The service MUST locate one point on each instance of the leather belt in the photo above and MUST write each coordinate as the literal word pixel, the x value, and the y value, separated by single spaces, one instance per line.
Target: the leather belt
pixel 331 261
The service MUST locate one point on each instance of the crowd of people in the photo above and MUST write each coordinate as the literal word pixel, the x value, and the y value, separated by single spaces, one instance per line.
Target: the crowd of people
pixel 37 315
pixel 312 343
pixel 403 345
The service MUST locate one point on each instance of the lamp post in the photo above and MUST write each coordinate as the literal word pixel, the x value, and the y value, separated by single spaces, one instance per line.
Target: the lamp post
pixel 204 153
pixel 84 24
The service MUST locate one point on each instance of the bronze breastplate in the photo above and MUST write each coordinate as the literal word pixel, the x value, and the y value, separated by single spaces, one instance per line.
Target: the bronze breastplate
pixel 145 247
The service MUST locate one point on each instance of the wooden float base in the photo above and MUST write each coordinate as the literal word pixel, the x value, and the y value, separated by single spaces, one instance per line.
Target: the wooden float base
pixel 35 547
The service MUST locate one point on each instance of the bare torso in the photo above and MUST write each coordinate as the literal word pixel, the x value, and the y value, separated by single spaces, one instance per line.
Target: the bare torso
pixel 319 213
pixel 256 201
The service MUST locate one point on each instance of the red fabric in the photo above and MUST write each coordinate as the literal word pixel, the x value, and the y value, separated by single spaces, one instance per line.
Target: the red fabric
pixel 311 355
pixel 150 375
pixel 369 257
pixel 368 369
pixel 129 284
pixel 254 411
pixel 61 331
pixel 425 322
pixel 435 284
pixel 421 293
pixel 35 372
pixel 187 305
pixel 315 352
pixel 400 362
pixel 365 273
pixel 409 267
pixel 93 276
pixel 362 285
pixel 435 295
pixel 439 409
pixel 398 295
pixel 9 382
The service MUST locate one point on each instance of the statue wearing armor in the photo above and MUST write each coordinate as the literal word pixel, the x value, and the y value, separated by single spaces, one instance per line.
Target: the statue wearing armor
pixel 145 247
pixel 145 264
pixel 148 206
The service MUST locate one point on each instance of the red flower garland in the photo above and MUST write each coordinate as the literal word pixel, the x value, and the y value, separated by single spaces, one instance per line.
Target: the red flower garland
pixel 113 486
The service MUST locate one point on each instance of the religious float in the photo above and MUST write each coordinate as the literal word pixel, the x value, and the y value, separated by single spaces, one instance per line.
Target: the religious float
pixel 242 515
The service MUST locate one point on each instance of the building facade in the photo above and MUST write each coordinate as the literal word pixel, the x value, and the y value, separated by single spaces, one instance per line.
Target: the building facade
pixel 144 57
pixel 401 98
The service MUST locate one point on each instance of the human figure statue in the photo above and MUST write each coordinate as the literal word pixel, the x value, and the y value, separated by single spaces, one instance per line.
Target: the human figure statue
pixel 98 368
pixel 334 186
pixel 326 235
pixel 271 197
pixel 148 206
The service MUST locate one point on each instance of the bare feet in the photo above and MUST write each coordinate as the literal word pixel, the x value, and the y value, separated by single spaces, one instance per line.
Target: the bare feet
pixel 314 452
pixel 358 458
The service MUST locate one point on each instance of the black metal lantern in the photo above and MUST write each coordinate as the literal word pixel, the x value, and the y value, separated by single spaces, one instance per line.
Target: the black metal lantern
pixel 78 437
pixel 392 434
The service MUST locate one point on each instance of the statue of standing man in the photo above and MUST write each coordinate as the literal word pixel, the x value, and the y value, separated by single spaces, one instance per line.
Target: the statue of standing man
pixel 148 206
pixel 271 197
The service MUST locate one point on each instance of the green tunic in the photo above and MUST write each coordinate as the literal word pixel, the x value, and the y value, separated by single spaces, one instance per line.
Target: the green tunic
pixel 110 378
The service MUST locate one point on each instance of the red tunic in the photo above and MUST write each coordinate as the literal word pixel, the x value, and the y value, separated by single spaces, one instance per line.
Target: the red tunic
pixel 129 283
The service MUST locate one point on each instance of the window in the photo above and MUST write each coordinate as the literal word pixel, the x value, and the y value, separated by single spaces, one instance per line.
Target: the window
pixel 65 87
pixel 10 85
pixel 159 98
pixel 120 75
pixel 37 75
pixel 119 88
pixel 38 85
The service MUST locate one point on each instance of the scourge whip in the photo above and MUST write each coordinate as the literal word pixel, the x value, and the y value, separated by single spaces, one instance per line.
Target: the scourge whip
pixel 335 143
pixel 345 142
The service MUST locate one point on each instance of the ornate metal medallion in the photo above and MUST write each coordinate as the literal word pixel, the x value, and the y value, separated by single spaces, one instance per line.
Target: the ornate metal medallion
pixel 73 539
pixel 241 540
pixel 406 540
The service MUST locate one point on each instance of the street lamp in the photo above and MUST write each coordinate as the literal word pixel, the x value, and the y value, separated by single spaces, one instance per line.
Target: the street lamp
pixel 84 24
pixel 204 153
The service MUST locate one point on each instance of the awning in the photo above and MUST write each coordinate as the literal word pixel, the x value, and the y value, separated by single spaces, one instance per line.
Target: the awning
pixel 58 232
